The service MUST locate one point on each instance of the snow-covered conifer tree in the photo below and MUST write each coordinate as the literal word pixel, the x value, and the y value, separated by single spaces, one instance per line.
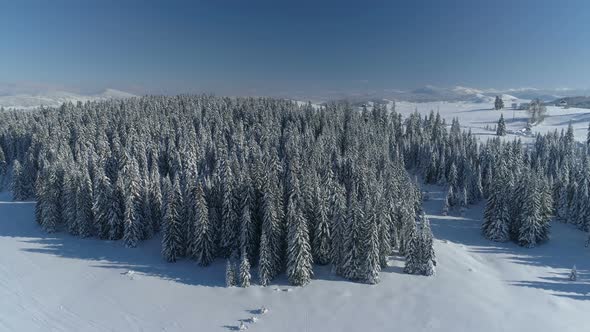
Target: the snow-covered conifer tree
pixel 84 213
pixel 496 220
pixel 230 274
pixel 321 239
pixel 172 237
pixel 498 103
pixel 203 244
pixel 245 271
pixel 299 256
pixel 501 127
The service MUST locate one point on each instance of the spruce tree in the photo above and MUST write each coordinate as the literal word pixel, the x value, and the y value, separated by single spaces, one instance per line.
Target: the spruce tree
pixel 71 197
pixel 203 244
pixel 338 222
pixel 245 271
pixel 230 274
pixel 534 227
pixel 498 103
pixel 102 205
pixel 321 239
pixel 131 231
pixel 496 220
pixel 229 217
pixel 47 201
pixel 269 249
pixel 265 262
pixel 501 127
pixel 299 256
pixel 84 212
pixel 351 259
pixel 413 250
pixel 372 264
pixel 172 237
pixel 117 210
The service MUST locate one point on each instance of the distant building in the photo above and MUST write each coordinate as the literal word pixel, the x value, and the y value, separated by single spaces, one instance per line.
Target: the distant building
pixel 562 103
pixel 523 106
pixel 514 106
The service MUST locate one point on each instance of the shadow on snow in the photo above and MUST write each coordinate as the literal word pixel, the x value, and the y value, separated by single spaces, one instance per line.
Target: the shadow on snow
pixel 563 251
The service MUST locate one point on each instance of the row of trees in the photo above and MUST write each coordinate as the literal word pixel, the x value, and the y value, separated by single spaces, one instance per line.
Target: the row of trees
pixel 272 185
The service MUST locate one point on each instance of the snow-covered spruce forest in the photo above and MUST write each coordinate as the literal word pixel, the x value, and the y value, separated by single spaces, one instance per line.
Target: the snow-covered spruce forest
pixel 274 187
pixel 262 182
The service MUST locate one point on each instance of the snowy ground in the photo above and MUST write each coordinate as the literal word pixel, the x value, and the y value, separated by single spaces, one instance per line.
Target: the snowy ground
pixel 62 283
pixel 477 116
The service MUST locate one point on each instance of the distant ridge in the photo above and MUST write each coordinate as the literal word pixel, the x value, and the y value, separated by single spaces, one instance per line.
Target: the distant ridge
pixel 57 98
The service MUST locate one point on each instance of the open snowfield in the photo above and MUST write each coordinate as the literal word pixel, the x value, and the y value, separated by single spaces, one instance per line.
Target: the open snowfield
pixel 476 116
pixel 62 283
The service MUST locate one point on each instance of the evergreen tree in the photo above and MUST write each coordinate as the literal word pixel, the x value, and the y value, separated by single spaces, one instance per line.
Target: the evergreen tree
pixel 299 256
pixel 562 204
pixel 413 251
pixel 3 164
pixel 265 264
pixel 245 271
pixel 102 205
pixel 372 264
pixel 230 274
pixel 429 257
pixel 117 211
pixel 70 204
pixel 269 250
pixel 47 201
pixel 496 223
pixel 338 223
pixel 203 244
pixel 84 212
pixel 172 237
pixel 19 186
pixel 534 227
pixel 131 230
pixel 498 103
pixel 352 259
pixel 501 127
pixel 321 239
pixel 155 197
pixel 229 217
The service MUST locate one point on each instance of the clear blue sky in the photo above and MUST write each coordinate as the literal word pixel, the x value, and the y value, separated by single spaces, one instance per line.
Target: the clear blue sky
pixel 241 46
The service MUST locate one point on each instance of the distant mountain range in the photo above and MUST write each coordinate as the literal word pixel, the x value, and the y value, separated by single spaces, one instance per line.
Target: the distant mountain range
pixel 56 98
pixel 11 98
pixel 431 93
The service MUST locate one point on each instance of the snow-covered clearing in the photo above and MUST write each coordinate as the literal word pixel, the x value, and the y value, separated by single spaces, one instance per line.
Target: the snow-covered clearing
pixel 63 283
pixel 476 116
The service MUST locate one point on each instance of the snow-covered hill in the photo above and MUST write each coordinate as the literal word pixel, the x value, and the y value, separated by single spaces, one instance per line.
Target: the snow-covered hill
pixel 62 283
pixel 56 98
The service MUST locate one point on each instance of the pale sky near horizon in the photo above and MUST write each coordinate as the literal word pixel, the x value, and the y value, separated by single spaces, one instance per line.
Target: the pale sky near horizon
pixel 244 46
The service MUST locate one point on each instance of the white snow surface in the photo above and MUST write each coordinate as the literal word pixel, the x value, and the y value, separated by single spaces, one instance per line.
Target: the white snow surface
pixel 476 116
pixel 56 282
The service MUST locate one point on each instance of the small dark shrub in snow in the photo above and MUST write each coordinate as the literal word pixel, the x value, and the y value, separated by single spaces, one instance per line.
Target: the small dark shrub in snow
pixel 573 274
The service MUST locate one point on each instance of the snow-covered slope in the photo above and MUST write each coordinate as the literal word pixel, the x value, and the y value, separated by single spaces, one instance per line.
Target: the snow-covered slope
pixel 56 98
pixel 478 116
pixel 62 283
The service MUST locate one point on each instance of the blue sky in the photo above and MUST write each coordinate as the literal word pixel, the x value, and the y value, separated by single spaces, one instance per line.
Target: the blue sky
pixel 250 46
